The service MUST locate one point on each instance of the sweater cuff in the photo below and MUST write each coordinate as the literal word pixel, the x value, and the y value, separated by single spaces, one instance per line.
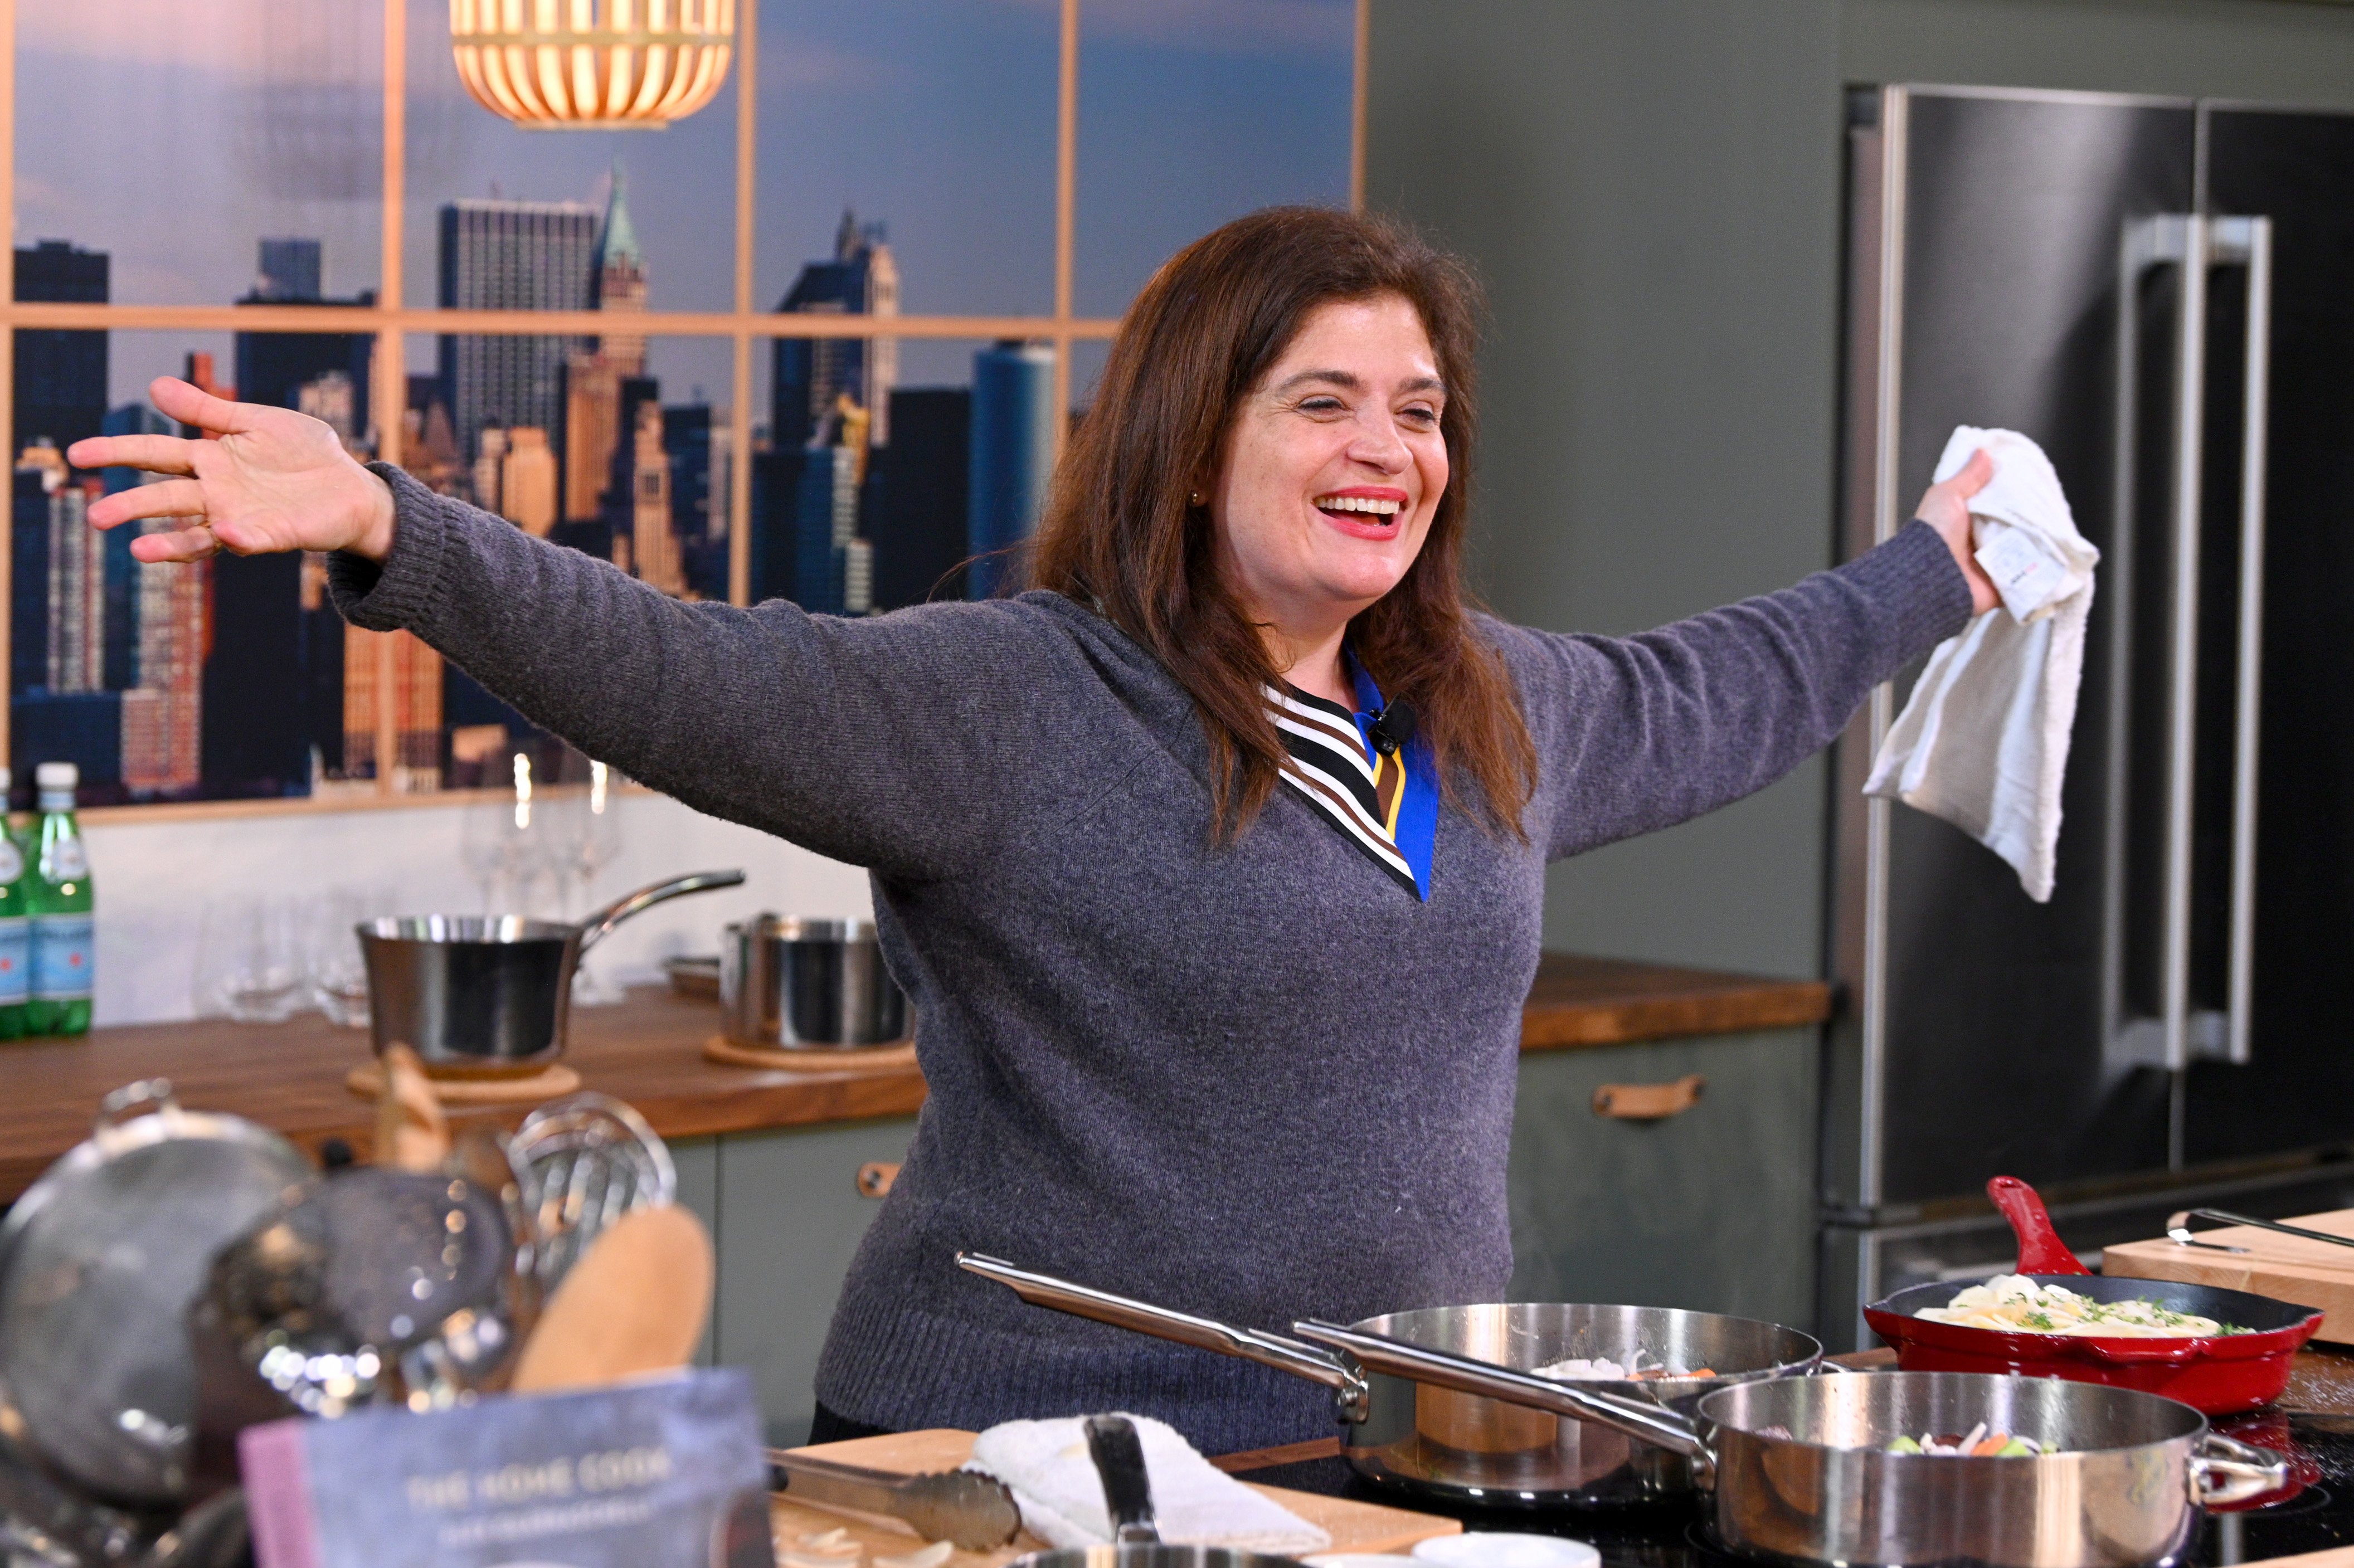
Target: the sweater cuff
pixel 1919 588
pixel 400 590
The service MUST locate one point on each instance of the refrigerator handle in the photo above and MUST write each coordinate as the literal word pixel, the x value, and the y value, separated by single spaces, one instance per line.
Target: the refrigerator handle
pixel 2182 662
pixel 2250 240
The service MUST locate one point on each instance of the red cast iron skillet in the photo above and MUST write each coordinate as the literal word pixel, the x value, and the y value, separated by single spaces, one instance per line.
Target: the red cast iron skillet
pixel 2218 1375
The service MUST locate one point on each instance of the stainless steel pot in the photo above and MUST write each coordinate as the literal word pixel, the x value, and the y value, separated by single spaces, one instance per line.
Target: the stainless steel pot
pixel 100 1261
pixel 490 994
pixel 1497 1450
pixel 814 984
pixel 1799 1471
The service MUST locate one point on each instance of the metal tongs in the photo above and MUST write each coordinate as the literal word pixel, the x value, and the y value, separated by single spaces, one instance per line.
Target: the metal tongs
pixel 971 1511
pixel 2177 1230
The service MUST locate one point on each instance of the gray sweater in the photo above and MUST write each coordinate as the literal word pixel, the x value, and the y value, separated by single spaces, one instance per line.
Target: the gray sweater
pixel 1257 1083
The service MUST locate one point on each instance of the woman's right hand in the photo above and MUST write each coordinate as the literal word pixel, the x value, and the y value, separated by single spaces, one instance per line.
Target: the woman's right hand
pixel 272 480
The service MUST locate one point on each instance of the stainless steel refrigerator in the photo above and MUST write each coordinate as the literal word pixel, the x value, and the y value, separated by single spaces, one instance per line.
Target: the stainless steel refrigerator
pixel 2161 293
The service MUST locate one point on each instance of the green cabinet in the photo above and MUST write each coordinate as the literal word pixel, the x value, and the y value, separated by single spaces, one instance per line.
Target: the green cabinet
pixel 786 1215
pixel 1713 1208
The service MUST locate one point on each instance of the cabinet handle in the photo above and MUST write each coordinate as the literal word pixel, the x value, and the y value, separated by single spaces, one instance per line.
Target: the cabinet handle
pixel 874 1177
pixel 1649 1102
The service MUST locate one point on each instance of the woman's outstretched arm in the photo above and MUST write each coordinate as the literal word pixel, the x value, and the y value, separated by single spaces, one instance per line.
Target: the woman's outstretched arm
pixel 886 742
pixel 1638 732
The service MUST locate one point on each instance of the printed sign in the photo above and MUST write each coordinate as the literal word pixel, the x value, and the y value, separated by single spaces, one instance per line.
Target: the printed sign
pixel 660 1474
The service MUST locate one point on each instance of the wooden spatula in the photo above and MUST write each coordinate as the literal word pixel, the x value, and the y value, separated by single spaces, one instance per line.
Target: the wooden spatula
pixel 412 1133
pixel 634 1303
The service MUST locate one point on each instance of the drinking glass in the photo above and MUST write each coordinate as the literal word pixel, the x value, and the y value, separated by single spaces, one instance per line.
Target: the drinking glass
pixel 584 839
pixel 338 970
pixel 249 960
pixel 505 843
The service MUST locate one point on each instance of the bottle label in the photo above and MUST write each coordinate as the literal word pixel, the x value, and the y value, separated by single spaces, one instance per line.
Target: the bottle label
pixel 64 964
pixel 68 862
pixel 12 859
pixel 16 961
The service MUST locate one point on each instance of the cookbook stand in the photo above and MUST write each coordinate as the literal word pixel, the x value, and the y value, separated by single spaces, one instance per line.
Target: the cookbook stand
pixel 810 1058
pixel 367 1081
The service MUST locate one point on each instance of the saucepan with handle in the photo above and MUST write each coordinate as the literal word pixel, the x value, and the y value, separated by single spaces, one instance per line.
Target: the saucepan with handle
pixel 1437 1440
pixel 489 995
pixel 2218 1374
pixel 1803 1470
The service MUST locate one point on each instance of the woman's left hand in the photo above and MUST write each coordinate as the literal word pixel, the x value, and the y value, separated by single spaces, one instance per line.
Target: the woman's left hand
pixel 1946 508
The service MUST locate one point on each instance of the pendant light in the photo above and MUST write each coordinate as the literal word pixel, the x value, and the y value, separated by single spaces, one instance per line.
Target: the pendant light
pixel 601 65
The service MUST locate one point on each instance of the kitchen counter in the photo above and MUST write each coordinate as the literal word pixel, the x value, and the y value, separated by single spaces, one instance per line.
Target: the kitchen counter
pixel 646 1051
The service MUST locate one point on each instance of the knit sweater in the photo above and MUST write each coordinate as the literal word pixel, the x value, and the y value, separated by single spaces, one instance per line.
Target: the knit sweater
pixel 1256 1082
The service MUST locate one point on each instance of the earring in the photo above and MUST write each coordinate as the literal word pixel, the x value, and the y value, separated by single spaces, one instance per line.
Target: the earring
pixel 1195 499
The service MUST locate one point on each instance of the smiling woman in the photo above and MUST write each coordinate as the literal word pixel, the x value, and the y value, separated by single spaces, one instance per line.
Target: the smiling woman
pixel 1187 1037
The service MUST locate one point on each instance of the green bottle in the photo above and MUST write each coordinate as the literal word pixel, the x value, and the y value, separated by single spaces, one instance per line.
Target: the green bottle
pixel 16 927
pixel 64 934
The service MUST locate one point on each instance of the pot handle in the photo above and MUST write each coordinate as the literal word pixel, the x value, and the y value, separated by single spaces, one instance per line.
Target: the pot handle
pixel 1335 1372
pixel 1645 1423
pixel 2041 1250
pixel 1118 1456
pixel 2224 1470
pixel 137 1098
pixel 595 928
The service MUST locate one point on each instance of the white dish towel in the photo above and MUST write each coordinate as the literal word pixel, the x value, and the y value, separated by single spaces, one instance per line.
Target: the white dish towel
pixel 1983 741
pixel 1194 1503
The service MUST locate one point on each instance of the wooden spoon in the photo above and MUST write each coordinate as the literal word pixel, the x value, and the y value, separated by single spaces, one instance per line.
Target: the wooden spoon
pixel 411 1131
pixel 634 1303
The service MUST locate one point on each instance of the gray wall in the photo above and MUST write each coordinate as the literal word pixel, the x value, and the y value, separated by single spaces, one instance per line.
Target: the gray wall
pixel 1650 190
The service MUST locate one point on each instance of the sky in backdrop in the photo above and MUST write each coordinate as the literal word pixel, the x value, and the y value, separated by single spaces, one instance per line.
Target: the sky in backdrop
pixel 175 135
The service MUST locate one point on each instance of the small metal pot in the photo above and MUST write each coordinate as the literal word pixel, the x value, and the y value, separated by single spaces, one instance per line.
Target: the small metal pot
pixel 808 984
pixel 1798 1469
pixel 1429 1438
pixel 490 994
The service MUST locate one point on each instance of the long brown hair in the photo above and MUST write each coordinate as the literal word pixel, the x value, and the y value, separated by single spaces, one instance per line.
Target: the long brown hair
pixel 1118 532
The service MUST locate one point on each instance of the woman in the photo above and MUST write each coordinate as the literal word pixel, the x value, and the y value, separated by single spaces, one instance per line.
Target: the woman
pixel 1219 953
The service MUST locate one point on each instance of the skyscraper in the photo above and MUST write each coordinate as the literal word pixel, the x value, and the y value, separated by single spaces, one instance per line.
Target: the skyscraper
pixel 1013 454
pixel 60 377
pixel 920 513
pixel 290 271
pixel 811 375
pixel 512 256
pixel 273 367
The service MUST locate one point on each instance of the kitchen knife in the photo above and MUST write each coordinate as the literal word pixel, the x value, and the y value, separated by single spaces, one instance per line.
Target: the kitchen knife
pixel 973 1511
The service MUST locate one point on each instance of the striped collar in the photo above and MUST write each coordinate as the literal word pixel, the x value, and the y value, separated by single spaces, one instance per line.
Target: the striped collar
pixel 1386 805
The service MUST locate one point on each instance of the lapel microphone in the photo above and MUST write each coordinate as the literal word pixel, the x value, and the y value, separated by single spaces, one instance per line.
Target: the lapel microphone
pixel 1393 727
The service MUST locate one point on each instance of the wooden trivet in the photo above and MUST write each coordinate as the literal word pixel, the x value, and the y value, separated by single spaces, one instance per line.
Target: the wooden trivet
pixel 809 1059
pixel 366 1080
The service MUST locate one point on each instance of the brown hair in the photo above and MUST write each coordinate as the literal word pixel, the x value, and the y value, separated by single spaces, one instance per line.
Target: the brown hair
pixel 1117 531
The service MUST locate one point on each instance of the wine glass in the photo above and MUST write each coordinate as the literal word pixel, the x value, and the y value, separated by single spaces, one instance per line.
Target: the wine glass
pixel 505 843
pixel 338 970
pixel 249 960
pixel 584 836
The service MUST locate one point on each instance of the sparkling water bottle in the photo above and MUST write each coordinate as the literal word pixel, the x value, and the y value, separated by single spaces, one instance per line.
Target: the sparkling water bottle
pixel 16 927
pixel 64 943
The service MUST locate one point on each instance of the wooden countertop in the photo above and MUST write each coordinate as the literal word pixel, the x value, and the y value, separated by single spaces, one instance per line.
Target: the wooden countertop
pixel 1578 1000
pixel 646 1051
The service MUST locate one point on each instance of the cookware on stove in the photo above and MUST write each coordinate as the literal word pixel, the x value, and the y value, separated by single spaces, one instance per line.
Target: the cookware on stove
pixel 2219 1374
pixel 1800 1470
pixel 490 993
pixel 1439 1440
pixel 99 1262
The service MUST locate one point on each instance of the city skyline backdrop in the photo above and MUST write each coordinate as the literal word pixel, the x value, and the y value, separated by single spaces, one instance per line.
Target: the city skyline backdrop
pixel 876 465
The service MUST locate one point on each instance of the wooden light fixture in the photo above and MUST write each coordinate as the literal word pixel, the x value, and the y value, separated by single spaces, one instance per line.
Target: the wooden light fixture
pixel 602 65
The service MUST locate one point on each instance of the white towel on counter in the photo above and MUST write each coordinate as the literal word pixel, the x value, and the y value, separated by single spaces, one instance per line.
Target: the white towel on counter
pixel 1194 1503
pixel 1983 741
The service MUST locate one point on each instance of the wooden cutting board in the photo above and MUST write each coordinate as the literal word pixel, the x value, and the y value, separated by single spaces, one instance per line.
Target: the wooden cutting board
pixel 1354 1526
pixel 2288 1268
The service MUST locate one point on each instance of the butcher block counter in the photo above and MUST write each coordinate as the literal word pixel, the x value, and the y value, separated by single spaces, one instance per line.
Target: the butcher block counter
pixel 647 1050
